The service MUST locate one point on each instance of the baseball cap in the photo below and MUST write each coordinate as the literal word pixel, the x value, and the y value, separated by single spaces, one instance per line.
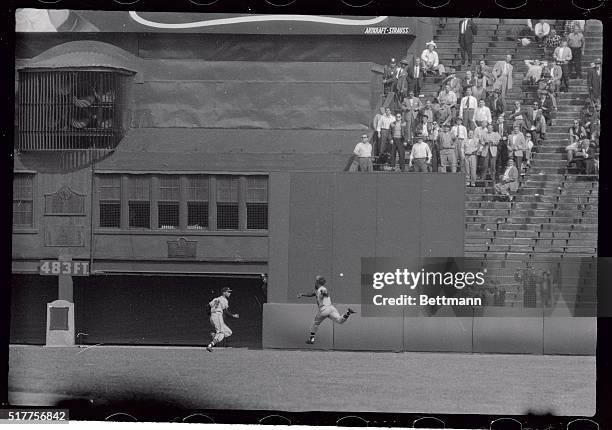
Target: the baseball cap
pixel 226 290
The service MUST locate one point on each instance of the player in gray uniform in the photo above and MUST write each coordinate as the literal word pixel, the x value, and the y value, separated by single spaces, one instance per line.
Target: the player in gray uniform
pixel 326 310
pixel 218 307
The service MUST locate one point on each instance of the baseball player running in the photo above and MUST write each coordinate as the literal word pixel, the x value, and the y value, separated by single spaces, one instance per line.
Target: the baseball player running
pixel 218 307
pixel 326 310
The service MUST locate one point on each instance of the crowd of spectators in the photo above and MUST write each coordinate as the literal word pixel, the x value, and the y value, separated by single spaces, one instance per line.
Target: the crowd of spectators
pixel 466 126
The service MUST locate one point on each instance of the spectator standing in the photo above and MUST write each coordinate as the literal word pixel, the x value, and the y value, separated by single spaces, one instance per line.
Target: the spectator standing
pixel 446 146
pixel 556 73
pixel 502 71
pixel 552 42
pixel 447 96
pixel 535 121
pixel 518 146
pixel 398 141
pixel 384 131
pixel 415 76
pixel 420 155
pixel 576 42
pixel 594 81
pixel 509 181
pixel 495 104
pixel 375 138
pixel 491 139
pixel 390 73
pixel 485 72
pixel 548 105
pixel 482 114
pixel 479 135
pixel 433 146
pixel 479 89
pixel 563 55
pixel 503 154
pixel 401 86
pixel 413 106
pixel 467 108
pixel 469 150
pixel 363 152
pixel 460 134
pixel 467 30
pixel 423 127
pixel 518 117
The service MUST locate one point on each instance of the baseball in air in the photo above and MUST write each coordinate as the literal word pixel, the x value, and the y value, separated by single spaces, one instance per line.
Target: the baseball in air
pixel 341 274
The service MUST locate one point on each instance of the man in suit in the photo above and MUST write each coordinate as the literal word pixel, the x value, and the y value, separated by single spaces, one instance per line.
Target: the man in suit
pixel 415 76
pixel 518 146
pixel 401 86
pixel 536 122
pixel 467 31
pixel 548 106
pixel 491 142
pixel 495 104
pixel 509 180
pixel 502 71
pixel 594 82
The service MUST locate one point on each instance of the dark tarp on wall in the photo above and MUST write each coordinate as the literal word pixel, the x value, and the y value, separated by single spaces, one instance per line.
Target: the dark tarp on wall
pixel 191 149
pixel 256 95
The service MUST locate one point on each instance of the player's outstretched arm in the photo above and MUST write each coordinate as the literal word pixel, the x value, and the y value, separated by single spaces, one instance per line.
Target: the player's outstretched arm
pixel 300 295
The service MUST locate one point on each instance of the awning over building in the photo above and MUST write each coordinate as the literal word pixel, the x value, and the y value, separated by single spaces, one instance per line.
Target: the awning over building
pixel 234 150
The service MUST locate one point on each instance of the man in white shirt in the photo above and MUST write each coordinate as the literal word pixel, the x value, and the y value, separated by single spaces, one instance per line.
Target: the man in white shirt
pixel 383 130
pixel 502 71
pixel 420 155
pixel 469 149
pixel 375 139
pixel 429 60
pixel 482 114
pixel 563 55
pixel 363 152
pixel 459 133
pixel 467 108
pixel 447 96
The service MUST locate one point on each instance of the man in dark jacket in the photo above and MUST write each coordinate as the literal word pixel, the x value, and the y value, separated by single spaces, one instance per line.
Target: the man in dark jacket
pixel 467 31
pixel 594 81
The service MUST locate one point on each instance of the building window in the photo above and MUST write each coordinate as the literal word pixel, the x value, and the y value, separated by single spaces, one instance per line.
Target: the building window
pixel 71 109
pixel 197 202
pixel 109 187
pixel 257 203
pixel 227 203
pixel 139 202
pixel 168 202
pixel 23 204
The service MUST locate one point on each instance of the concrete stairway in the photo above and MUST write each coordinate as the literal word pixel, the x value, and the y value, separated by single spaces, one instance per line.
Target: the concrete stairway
pixel 554 215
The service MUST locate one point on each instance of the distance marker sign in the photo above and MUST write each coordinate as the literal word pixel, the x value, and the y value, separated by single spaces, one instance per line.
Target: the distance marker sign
pixel 55 268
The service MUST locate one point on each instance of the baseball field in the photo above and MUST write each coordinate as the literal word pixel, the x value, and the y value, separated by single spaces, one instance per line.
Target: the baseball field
pixel 236 378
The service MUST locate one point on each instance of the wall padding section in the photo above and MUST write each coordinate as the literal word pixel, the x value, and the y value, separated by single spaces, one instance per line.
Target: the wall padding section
pixel 509 330
pixel 445 332
pixel 368 333
pixel 566 335
pixel 286 326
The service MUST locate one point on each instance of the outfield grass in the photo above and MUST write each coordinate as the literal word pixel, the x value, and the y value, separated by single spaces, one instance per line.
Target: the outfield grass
pixel 438 383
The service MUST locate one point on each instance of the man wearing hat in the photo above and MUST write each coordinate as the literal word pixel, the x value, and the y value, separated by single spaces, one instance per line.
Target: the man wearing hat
pixel 218 307
pixel 326 309
pixel 430 61
pixel 401 86
pixel 467 31
pixel 594 81
pixel 390 76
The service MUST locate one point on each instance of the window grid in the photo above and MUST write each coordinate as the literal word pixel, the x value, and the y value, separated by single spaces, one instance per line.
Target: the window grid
pixel 228 217
pixel 173 200
pixel 23 204
pixel 110 201
pixel 197 202
pixel 169 202
pixel 257 203
pixel 139 202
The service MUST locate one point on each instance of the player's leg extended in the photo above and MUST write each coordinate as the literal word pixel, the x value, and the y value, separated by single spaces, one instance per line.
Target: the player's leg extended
pixel 340 319
pixel 217 321
pixel 318 319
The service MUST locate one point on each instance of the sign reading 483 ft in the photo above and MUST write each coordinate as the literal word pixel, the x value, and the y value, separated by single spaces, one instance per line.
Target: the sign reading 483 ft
pixel 55 268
